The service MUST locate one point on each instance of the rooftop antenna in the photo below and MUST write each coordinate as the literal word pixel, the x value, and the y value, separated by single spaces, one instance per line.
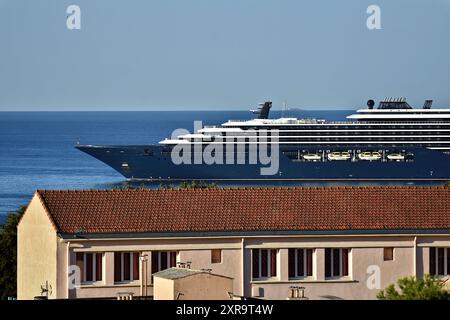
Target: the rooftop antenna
pixel 284 109
pixel 46 290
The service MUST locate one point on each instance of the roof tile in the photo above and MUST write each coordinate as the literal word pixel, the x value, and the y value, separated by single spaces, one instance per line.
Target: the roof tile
pixel 249 209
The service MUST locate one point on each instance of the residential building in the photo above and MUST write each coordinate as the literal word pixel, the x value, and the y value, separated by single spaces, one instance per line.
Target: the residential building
pixel 335 242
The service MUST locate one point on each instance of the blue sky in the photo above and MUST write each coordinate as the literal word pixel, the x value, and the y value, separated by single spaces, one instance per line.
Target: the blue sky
pixel 221 54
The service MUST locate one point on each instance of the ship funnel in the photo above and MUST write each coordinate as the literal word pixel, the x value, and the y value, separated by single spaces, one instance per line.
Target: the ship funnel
pixel 427 104
pixel 263 110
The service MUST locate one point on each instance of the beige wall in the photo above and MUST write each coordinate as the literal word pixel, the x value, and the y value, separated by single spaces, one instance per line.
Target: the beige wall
pixel 203 287
pixel 195 287
pixel 36 253
pixel 62 269
pixel 230 266
pixel 164 289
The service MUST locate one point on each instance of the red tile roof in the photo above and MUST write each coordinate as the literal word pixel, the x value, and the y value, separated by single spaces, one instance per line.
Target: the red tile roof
pixel 247 209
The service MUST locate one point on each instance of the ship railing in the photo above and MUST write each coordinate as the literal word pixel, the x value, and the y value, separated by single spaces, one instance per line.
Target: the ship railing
pixel 303 121
pixel 381 121
pixel 240 120
pixel 308 121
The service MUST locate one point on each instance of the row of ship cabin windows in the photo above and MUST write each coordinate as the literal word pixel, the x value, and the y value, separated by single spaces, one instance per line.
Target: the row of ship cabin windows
pixel 324 133
pixel 342 127
pixel 329 138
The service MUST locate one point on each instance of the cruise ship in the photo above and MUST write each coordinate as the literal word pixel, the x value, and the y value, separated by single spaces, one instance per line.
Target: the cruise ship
pixel 391 141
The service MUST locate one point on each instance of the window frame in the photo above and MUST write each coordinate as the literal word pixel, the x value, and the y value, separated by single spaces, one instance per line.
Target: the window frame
pixel 94 267
pixel 218 253
pixel 130 267
pixel 390 256
pixel 341 263
pixel 168 257
pixel 269 254
pixel 434 252
pixel 308 273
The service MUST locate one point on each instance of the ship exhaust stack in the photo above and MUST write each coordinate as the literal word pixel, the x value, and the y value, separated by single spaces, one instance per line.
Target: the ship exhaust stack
pixel 263 110
pixel 427 104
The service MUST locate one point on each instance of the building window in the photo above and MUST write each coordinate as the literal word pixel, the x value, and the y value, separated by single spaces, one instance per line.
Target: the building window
pixel 126 266
pixel 336 262
pixel 300 263
pixel 264 263
pixel 162 260
pixel 388 254
pixel 91 266
pixel 216 256
pixel 440 261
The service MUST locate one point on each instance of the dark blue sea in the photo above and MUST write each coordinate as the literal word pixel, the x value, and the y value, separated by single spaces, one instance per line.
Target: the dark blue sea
pixel 37 148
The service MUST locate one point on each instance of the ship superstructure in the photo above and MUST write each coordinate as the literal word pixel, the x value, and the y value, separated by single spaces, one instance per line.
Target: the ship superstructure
pixel 391 142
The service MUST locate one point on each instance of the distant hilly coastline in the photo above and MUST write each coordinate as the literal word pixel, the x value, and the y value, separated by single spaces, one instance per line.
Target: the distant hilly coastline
pixel 319 109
